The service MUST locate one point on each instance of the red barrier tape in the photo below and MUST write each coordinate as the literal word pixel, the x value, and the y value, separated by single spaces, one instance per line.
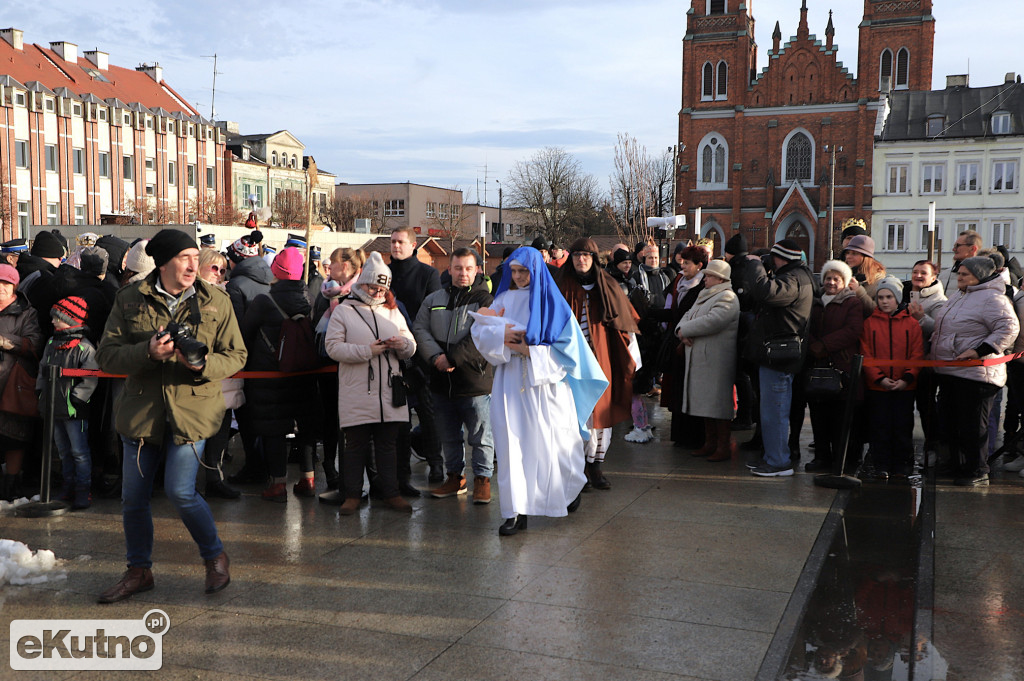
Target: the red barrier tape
pixel 329 369
pixel 993 361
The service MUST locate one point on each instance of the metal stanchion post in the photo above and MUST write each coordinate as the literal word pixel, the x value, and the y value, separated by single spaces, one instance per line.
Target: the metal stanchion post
pixel 44 507
pixel 841 480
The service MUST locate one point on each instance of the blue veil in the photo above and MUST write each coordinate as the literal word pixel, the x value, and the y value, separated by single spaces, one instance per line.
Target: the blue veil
pixel 549 312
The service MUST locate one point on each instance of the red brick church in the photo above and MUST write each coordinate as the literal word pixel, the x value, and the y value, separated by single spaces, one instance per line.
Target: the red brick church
pixel 756 145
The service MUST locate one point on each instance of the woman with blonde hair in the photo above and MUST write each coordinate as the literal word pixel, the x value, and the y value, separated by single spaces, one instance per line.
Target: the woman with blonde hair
pixel 859 254
pixel 344 266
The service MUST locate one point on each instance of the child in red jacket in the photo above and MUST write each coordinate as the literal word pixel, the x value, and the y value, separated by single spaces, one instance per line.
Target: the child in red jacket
pixel 890 333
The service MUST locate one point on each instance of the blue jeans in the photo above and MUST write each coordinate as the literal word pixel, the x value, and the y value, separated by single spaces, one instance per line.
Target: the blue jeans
pixel 180 468
pixel 72 439
pixel 475 414
pixel 776 398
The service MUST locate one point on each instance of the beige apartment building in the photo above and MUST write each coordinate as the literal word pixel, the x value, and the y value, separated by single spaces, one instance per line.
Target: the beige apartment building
pixel 86 141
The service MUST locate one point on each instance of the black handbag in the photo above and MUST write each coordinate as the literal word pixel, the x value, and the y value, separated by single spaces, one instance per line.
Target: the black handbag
pixel 824 381
pixel 782 350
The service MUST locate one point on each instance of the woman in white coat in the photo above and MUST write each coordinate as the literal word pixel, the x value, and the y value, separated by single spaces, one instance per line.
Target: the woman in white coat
pixel 367 336
pixel 708 331
pixel 546 383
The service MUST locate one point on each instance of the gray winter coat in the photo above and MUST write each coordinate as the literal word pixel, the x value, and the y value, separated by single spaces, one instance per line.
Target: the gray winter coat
pixel 250 278
pixel 980 318
pixel 74 393
pixel 712 323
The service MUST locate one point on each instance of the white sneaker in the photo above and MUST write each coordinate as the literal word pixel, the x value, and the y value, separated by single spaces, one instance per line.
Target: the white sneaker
pixel 1016 465
pixel 638 435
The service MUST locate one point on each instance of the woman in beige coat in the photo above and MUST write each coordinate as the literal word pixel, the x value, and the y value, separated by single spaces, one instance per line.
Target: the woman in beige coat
pixel 708 331
pixel 367 336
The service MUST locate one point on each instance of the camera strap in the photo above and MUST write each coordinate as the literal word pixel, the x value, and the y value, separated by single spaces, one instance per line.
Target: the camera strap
pixel 194 316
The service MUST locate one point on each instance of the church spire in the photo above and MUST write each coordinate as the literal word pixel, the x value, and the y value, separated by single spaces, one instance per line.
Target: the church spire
pixel 830 32
pixel 776 38
pixel 802 32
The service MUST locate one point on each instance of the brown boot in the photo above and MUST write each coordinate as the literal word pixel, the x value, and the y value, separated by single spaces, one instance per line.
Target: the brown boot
pixel 135 580
pixel 217 575
pixel 723 452
pixel 481 490
pixel 399 504
pixel 710 439
pixel 453 486
pixel 350 506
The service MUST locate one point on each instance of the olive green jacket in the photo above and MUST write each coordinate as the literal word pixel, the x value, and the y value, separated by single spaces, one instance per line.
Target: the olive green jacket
pixel 159 393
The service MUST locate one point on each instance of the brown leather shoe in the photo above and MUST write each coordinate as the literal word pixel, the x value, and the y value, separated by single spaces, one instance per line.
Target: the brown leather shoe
pixel 481 490
pixel 217 576
pixel 134 580
pixel 453 486
pixel 350 506
pixel 399 504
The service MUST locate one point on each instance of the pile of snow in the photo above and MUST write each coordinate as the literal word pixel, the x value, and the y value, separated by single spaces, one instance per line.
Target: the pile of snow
pixel 20 565
pixel 9 506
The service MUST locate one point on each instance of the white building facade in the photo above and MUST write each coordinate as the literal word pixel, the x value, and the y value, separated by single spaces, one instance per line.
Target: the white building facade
pixel 960 148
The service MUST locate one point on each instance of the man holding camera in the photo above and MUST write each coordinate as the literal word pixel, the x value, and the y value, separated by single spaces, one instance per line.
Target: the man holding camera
pixel 176 338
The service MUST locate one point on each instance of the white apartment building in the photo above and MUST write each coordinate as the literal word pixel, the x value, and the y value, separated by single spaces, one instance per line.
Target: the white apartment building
pixel 961 148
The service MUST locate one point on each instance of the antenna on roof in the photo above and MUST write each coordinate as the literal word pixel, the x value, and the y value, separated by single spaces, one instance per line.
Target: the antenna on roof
pixel 213 95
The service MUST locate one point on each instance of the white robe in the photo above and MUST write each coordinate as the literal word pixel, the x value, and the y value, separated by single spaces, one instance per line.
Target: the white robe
pixel 537 437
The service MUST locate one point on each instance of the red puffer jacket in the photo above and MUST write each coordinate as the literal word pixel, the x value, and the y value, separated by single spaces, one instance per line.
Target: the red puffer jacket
pixel 891 337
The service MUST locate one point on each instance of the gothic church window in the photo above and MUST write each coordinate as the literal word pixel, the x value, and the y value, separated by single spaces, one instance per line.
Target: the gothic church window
pixel 715 7
pixel 798 157
pixel 902 69
pixel 722 87
pixel 707 90
pixel 885 71
pixel 713 158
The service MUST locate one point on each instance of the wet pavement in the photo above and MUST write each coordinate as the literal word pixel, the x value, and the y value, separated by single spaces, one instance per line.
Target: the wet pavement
pixel 685 569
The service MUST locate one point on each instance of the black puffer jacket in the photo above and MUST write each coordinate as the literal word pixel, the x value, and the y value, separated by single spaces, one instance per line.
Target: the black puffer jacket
pixel 782 304
pixel 70 281
pixel 249 278
pixel 442 326
pixel 274 405
pixel 412 281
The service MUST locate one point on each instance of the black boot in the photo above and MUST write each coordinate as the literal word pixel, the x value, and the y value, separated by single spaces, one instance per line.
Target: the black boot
pixel 10 487
pixel 597 478
pixel 512 525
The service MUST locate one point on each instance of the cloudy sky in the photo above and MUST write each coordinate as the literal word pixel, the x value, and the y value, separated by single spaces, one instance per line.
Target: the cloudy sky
pixel 454 92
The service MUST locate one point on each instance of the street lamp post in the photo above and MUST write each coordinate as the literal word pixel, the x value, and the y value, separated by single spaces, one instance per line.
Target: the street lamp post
pixel 501 225
pixel 831 149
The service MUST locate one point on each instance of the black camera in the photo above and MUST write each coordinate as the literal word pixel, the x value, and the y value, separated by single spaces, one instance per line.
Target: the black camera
pixel 193 350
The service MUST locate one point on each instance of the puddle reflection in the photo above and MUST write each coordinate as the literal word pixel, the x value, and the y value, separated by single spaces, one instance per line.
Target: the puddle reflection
pixel 859 622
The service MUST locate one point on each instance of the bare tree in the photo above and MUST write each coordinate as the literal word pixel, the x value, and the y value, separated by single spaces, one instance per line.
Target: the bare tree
pixel 290 209
pixel 341 214
pixel 553 186
pixel 150 211
pixel 217 210
pixel 7 212
pixel 640 188
pixel 446 220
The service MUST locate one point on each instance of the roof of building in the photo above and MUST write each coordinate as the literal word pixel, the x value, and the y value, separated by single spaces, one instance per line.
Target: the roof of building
pixel 36 64
pixel 967 111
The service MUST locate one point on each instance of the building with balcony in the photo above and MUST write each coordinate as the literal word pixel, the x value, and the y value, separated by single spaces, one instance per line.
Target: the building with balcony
pixel 85 141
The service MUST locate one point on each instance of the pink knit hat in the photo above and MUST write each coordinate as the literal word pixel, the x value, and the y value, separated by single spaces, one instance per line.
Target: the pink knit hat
pixel 287 266
pixel 9 274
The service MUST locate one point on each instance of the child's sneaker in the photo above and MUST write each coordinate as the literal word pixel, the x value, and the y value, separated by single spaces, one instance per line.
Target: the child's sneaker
pixel 638 435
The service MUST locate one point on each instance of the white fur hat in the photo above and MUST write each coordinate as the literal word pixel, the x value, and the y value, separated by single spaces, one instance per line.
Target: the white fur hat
pixel 838 266
pixel 375 272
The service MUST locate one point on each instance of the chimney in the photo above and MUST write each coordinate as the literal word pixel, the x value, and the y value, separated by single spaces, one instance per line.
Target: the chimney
pixel 959 80
pixel 100 60
pixel 230 127
pixel 67 51
pixel 14 36
pixel 156 72
pixel 1010 77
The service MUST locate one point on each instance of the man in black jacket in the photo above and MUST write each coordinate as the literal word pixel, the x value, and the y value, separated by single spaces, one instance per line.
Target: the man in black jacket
pixel 460 378
pixel 783 302
pixel 411 282
pixel 746 397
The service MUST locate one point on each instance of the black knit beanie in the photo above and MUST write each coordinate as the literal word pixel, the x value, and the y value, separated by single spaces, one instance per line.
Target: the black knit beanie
pixel 168 243
pixel 47 245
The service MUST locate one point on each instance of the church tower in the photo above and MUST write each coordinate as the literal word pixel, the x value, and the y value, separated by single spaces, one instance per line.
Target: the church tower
pixel 719 54
pixel 895 48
